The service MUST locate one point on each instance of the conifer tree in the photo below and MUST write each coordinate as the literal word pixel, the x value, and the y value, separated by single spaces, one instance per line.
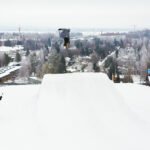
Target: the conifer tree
pixel 18 57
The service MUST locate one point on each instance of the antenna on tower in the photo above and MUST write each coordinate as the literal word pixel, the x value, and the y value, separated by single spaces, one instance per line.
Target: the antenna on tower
pixel 19 29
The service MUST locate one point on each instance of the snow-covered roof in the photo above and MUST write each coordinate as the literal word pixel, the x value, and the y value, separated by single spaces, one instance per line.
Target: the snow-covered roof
pixel 7 49
pixel 7 39
pixel 5 71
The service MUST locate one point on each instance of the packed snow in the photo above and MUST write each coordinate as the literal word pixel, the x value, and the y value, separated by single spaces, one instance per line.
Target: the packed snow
pixel 75 111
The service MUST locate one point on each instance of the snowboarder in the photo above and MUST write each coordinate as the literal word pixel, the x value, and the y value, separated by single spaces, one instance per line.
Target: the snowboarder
pixel 65 34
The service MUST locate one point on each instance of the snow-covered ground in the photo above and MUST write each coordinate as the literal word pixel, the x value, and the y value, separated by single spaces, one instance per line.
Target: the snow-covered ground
pixel 18 127
pixel 137 98
pixel 7 48
pixel 75 111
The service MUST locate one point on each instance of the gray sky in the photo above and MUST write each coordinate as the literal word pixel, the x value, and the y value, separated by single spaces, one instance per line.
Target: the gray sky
pixel 75 13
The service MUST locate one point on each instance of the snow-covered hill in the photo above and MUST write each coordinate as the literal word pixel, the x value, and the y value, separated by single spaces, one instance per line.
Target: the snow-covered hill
pixel 75 111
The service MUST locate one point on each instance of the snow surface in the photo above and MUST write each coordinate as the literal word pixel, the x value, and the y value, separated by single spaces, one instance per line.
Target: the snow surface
pixel 81 111
pixel 18 127
pixel 138 99
pixel 7 48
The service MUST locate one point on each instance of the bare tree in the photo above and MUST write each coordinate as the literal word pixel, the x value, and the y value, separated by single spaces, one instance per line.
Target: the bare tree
pixel 25 69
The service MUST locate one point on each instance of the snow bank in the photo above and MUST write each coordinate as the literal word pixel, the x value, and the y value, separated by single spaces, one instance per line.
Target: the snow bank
pixel 85 111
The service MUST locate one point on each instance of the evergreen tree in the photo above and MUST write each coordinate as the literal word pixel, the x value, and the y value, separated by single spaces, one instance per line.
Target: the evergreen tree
pixel 18 57
pixel 117 52
pixel 57 63
pixel 78 44
pixel 61 66
pixel 34 62
pixel 8 43
pixel 27 52
pixel 46 50
pixel 19 43
pixel 117 72
pixel 49 42
pixel 56 46
pixel 116 43
pixel 95 67
pixel 111 71
pixel 7 59
pixel 121 44
pixel 108 62
pixel 112 66
pixel 82 52
pixel 118 78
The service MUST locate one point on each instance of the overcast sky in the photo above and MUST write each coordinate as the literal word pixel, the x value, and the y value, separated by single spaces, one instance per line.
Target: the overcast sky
pixel 75 13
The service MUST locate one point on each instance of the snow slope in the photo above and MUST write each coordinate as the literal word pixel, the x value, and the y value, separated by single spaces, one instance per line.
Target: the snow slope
pixel 18 125
pixel 75 111
pixel 138 99
pixel 86 111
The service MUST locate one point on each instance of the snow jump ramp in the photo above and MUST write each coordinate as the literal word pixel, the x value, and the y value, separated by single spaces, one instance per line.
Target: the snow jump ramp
pixel 84 111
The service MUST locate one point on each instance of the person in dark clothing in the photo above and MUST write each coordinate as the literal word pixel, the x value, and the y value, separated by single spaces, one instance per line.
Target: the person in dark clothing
pixel 66 41
pixel 1 97
pixel 65 34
